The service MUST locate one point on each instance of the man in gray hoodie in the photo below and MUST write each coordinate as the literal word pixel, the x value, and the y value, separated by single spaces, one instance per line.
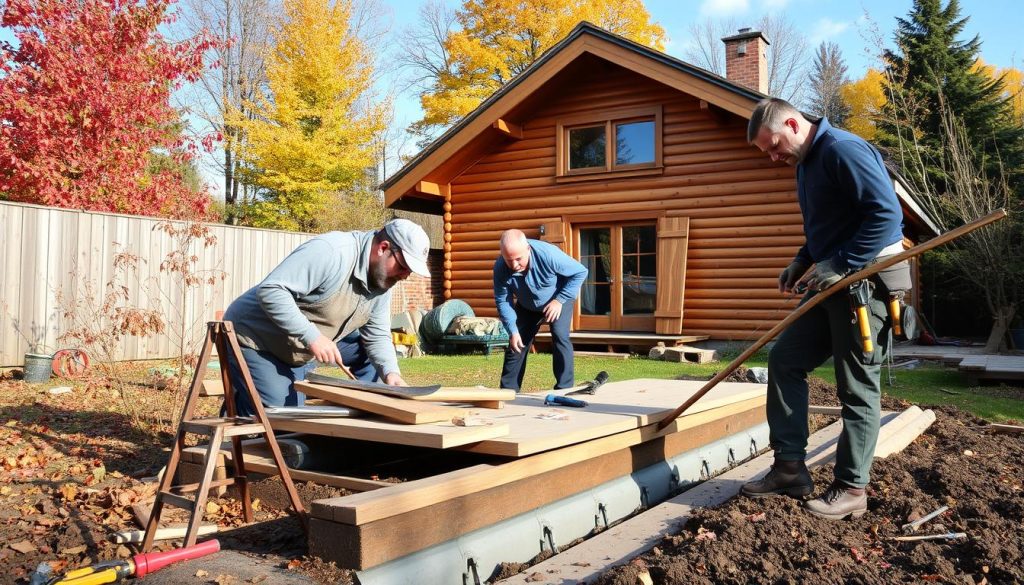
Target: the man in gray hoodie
pixel 327 302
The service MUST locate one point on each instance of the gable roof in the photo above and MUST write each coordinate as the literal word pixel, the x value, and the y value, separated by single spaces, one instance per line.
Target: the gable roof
pixel 585 38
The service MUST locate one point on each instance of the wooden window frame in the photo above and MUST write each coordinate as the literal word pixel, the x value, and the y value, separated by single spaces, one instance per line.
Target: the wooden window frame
pixel 609 118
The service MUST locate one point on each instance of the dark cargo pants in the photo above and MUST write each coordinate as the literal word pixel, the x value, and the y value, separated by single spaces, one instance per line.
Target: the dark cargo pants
pixel 828 330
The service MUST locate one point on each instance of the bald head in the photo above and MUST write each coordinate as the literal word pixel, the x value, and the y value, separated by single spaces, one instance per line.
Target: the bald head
pixel 515 250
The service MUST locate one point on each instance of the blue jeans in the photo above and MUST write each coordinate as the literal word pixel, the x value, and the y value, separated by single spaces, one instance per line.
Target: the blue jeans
pixel 528 322
pixel 275 380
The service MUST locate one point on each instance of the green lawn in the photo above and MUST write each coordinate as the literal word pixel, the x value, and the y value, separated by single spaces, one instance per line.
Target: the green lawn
pixel 926 385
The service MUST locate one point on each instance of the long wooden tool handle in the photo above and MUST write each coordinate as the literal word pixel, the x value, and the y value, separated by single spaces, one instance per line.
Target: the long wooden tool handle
pixel 821 296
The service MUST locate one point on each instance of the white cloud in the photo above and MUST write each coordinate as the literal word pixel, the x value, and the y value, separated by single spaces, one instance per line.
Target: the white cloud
pixel 826 29
pixel 724 8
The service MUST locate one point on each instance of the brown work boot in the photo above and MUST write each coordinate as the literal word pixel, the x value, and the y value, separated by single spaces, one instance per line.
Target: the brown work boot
pixel 789 478
pixel 838 502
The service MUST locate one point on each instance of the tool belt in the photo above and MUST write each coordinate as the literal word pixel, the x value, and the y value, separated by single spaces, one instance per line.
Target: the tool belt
pixel 896 281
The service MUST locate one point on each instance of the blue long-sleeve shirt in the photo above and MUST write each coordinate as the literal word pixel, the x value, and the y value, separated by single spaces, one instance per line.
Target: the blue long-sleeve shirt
pixel 849 206
pixel 551 275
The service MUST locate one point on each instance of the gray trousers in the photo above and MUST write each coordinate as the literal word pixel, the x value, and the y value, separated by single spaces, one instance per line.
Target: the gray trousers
pixel 828 330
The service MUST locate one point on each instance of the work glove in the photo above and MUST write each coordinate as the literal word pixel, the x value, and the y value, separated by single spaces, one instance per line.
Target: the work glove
pixel 789 276
pixel 823 275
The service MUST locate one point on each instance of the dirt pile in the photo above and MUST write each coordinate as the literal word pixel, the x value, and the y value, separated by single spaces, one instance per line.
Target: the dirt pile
pixel 954 463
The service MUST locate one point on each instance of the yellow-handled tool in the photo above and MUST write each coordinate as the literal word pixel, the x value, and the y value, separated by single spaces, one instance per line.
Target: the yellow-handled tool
pixel 860 296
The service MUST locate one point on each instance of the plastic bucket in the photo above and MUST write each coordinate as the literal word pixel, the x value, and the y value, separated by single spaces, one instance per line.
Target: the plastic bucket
pixel 38 367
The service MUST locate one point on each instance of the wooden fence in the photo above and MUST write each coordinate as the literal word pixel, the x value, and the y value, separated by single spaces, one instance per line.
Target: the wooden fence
pixel 48 253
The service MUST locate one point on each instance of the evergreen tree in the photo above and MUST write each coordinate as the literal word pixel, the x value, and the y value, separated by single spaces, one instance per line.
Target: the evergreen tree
pixel 828 76
pixel 933 69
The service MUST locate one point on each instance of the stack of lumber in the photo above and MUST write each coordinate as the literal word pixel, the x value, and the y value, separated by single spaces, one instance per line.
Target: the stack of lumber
pixel 413 406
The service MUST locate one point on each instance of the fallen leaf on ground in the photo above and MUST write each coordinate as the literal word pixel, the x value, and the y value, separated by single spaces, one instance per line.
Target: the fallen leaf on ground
pixel 225 579
pixel 201 573
pixel 24 547
pixel 293 564
pixel 74 550
pixel 258 579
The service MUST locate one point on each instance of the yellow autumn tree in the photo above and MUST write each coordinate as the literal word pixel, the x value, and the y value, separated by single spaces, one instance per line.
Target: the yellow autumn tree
pixel 1013 86
pixel 1013 79
pixel 310 137
pixel 865 97
pixel 498 39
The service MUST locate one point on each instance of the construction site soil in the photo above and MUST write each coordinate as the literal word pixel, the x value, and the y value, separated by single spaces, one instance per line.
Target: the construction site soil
pixel 955 463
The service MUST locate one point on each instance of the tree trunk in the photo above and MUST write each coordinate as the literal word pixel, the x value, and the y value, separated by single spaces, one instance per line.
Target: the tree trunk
pixel 1000 325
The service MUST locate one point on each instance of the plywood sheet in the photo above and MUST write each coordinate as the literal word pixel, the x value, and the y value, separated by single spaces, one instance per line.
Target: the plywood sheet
pixel 435 436
pixel 617 407
pixel 400 410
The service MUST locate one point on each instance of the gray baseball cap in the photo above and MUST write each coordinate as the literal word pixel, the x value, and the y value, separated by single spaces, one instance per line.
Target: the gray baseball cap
pixel 412 241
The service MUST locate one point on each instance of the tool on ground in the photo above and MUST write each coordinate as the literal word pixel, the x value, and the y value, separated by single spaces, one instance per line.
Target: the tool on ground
pixel 912 526
pixel 821 296
pixel 946 536
pixel 558 400
pixel 860 296
pixel 561 397
pixel 138 566
pixel 222 335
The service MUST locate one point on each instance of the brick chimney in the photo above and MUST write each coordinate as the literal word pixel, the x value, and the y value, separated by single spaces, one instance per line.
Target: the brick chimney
pixel 746 59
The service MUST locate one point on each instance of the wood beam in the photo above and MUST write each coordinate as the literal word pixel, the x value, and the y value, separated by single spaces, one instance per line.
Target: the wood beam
pixel 717 114
pixel 428 188
pixel 508 128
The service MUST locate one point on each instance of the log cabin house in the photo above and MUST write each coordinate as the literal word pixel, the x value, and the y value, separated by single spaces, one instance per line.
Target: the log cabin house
pixel 635 163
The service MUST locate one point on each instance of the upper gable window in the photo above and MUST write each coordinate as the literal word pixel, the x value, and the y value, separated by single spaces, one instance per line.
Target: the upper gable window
pixel 621 140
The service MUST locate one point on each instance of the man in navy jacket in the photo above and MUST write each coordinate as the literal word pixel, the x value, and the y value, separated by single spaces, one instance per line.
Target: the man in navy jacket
pixel 534 283
pixel 851 217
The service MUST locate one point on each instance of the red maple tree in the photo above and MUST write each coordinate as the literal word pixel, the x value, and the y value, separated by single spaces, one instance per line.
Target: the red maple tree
pixel 84 102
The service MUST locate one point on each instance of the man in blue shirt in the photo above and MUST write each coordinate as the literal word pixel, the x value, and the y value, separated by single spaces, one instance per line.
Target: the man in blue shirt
pixel 851 217
pixel 535 283
pixel 327 302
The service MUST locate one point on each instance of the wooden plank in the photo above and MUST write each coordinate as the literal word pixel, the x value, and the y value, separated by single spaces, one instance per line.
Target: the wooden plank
pixel 361 509
pixel 508 128
pixel 617 407
pixel 435 435
pixel 673 241
pixel 212 388
pixel 459 512
pixel 424 393
pixel 410 412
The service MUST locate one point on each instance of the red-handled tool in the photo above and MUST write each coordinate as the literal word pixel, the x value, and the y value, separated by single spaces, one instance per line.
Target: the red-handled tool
pixel 138 566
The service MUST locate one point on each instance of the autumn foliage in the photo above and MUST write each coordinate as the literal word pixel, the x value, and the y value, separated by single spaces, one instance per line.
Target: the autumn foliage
pixel 84 104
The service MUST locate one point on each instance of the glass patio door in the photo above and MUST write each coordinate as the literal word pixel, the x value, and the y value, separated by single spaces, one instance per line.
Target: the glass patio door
pixel 620 292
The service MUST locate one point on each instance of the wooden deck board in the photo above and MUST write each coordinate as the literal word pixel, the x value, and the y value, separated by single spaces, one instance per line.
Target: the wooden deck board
pixel 617 407
pixel 436 436
pixel 404 411
pixel 992 367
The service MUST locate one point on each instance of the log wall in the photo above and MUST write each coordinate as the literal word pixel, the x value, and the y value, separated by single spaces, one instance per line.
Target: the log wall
pixel 745 224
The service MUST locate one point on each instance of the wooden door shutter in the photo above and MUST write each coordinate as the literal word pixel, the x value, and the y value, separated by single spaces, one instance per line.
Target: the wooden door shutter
pixel 673 235
pixel 554 233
